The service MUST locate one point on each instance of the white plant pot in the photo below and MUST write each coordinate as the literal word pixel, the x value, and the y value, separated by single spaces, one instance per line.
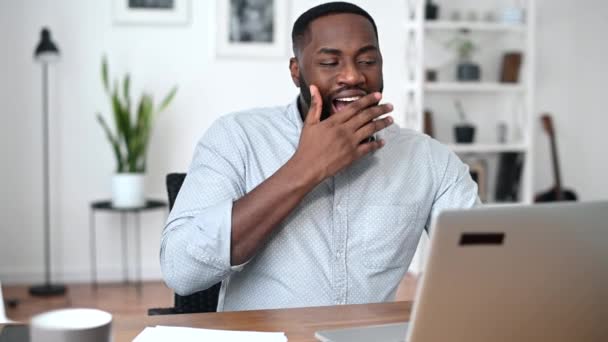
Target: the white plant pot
pixel 128 190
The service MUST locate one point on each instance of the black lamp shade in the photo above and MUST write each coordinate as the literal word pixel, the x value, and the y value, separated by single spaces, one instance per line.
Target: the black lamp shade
pixel 46 47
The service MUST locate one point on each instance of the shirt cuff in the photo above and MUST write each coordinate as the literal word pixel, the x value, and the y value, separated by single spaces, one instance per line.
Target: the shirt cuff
pixel 214 224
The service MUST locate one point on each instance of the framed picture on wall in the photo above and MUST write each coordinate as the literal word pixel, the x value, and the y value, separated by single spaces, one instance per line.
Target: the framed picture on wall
pixel 151 12
pixel 247 28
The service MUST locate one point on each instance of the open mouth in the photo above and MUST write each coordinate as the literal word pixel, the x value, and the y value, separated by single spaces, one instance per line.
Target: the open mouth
pixel 340 103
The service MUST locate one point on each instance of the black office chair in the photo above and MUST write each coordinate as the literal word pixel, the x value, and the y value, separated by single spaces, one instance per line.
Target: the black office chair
pixel 203 301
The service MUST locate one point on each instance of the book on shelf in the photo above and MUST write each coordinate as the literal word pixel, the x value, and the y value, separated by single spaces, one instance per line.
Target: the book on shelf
pixel 508 179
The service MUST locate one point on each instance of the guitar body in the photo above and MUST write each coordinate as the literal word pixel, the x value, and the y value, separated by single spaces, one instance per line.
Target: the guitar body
pixel 552 196
pixel 556 193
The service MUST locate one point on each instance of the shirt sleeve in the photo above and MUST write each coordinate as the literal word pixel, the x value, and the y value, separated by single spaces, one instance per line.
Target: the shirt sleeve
pixel 456 189
pixel 195 244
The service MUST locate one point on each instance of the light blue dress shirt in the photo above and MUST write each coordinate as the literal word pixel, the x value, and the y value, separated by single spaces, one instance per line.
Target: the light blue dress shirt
pixel 349 241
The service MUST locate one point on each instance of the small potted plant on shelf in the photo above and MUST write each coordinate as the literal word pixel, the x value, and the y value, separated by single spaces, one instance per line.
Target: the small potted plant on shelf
pixel 463 131
pixel 466 70
pixel 130 138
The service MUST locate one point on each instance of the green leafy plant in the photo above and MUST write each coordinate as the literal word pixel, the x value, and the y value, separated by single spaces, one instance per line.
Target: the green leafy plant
pixel 132 130
pixel 464 45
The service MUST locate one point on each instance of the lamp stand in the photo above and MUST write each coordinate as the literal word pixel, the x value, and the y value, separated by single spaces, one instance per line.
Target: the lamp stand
pixel 47 289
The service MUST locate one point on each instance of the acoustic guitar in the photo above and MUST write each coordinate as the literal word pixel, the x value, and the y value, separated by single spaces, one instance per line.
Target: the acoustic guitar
pixel 555 193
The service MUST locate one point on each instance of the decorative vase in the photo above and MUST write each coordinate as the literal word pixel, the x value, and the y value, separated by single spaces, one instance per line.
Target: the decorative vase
pixel 468 71
pixel 431 10
pixel 128 190
pixel 465 133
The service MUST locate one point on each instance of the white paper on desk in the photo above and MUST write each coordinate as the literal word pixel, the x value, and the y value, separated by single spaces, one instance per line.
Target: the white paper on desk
pixel 164 333
pixel 3 318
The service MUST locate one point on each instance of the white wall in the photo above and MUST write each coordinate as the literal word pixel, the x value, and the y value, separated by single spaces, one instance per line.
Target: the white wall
pixel 569 84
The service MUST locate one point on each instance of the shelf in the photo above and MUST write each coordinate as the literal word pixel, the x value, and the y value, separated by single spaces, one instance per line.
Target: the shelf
pixel 504 204
pixel 477 87
pixel 473 26
pixel 487 148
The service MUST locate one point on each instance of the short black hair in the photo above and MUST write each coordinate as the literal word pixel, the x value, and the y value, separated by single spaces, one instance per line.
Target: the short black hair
pixel 302 23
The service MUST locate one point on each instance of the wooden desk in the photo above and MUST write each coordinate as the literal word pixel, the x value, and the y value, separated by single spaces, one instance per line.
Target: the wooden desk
pixel 298 324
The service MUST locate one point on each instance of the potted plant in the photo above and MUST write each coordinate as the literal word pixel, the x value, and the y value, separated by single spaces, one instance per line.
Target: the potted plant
pixel 466 70
pixel 130 138
pixel 463 131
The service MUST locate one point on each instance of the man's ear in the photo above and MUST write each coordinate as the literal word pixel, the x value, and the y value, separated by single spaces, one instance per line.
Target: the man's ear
pixel 294 69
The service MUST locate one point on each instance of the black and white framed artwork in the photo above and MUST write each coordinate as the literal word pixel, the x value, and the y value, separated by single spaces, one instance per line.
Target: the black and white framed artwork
pixel 251 28
pixel 151 12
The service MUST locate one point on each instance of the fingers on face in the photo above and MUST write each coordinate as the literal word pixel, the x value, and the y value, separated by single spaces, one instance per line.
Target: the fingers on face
pixel 316 105
pixel 357 106
pixel 373 127
pixel 370 114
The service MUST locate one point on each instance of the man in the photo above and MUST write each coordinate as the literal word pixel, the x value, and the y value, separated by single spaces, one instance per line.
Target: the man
pixel 321 202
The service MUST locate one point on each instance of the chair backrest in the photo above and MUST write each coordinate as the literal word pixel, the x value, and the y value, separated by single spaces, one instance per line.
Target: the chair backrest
pixel 174 182
pixel 203 301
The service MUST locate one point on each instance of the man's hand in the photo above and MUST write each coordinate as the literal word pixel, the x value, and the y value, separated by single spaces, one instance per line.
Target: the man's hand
pixel 328 146
pixel 325 148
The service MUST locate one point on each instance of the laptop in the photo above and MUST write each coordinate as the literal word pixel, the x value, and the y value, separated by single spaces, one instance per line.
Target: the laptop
pixel 508 273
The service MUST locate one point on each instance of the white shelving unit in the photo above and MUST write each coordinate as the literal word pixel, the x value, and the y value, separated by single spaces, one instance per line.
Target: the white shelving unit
pixel 492 102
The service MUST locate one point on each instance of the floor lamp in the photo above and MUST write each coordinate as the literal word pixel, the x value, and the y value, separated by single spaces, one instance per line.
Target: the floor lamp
pixel 46 53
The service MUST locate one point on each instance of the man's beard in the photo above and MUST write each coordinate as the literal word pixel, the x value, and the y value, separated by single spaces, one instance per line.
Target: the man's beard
pixel 305 94
pixel 327 104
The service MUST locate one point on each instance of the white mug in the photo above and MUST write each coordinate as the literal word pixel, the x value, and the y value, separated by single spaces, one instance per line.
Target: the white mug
pixel 71 325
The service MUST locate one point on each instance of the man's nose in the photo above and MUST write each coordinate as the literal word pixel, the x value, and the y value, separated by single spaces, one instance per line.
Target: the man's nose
pixel 351 75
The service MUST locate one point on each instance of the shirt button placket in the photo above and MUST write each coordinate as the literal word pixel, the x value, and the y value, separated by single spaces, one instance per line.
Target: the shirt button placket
pixel 341 250
pixel 339 239
pixel 338 272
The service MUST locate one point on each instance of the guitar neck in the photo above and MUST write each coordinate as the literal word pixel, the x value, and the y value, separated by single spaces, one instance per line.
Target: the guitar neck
pixel 556 171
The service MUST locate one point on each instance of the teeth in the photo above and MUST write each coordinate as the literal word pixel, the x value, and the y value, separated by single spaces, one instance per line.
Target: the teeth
pixel 349 99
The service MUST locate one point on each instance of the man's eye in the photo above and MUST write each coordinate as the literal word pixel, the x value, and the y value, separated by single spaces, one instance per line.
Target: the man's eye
pixel 368 62
pixel 328 63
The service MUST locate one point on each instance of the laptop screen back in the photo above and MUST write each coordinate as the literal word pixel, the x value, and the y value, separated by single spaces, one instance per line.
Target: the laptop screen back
pixel 520 273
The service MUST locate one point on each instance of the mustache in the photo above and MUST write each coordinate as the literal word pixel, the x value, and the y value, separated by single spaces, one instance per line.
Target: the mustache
pixel 346 88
